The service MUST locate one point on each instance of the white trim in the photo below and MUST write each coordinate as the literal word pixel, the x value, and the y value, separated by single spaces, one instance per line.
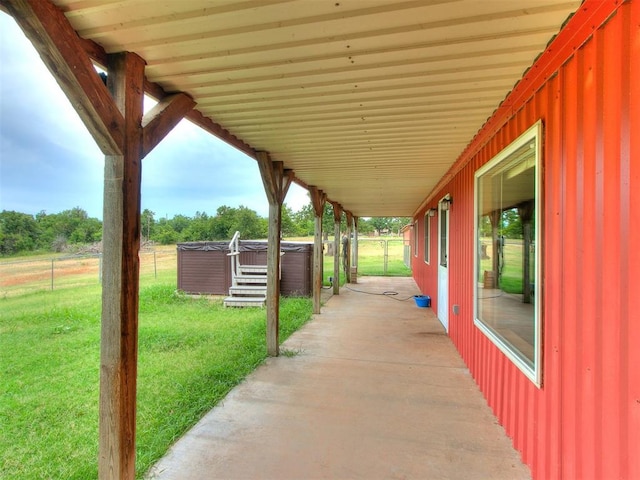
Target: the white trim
pixel 443 271
pixel 535 375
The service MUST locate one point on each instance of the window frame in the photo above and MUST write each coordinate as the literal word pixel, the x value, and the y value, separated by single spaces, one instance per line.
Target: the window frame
pixel 415 238
pixel 534 133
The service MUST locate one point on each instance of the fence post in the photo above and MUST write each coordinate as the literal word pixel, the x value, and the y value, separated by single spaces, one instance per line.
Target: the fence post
pixel 155 266
pixel 52 273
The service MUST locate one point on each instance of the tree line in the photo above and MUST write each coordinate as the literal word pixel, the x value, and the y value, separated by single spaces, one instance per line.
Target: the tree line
pixel 69 230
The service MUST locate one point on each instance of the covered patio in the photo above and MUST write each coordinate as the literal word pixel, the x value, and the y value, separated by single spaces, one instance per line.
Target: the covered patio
pixel 384 108
pixel 372 388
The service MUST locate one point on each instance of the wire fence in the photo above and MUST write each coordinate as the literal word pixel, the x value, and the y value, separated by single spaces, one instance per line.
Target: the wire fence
pixel 379 256
pixel 382 257
pixel 52 273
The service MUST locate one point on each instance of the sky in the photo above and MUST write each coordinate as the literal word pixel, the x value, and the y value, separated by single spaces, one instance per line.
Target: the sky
pixel 49 161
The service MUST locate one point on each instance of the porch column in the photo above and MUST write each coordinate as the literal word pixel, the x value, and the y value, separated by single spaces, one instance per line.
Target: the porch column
pixel 346 256
pixel 121 242
pixel 337 215
pixel 354 249
pixel 276 182
pixel 114 118
pixel 526 211
pixel 318 199
pixel 494 218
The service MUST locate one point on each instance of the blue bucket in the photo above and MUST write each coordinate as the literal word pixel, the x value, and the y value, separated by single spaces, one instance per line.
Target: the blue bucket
pixel 422 301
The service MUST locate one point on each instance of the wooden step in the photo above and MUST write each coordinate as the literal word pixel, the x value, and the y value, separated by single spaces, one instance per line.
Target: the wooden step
pixel 244 301
pixel 250 279
pixel 244 269
pixel 255 290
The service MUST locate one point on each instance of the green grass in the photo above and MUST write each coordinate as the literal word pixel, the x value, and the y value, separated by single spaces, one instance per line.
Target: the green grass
pixel 511 278
pixel 371 259
pixel 191 353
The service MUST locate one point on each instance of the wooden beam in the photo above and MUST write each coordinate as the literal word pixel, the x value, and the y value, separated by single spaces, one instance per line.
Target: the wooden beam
pixel 337 216
pixel 63 53
pixel 268 176
pixel 121 241
pixel 275 182
pixel 94 51
pixel 162 118
pixel 113 115
pixel 285 183
pixel 97 53
pixel 195 116
pixel 318 199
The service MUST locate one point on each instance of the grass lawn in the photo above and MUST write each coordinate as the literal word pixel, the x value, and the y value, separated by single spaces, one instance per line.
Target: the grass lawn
pixel 191 353
pixel 511 278
pixel 371 259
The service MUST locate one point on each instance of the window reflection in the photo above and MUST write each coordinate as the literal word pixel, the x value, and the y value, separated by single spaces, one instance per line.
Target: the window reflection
pixel 506 246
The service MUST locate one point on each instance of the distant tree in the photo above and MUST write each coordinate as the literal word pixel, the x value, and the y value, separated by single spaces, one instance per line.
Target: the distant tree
pixel 328 222
pixel 380 224
pixel 484 225
pixel 59 244
pixel 200 228
pixel 74 226
pixel 88 231
pixel 511 223
pixel 305 220
pixel 67 221
pixel 18 232
pixel 289 227
pixel 228 220
pixel 164 232
pixel 364 226
pixel 147 223
pixel 391 225
pixel 222 223
pixel 249 224
pixel 179 223
pixel 396 224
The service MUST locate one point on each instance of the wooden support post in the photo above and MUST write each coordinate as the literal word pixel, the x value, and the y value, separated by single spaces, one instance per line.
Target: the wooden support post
pixel 354 250
pixel 494 217
pixel 113 116
pixel 317 202
pixel 121 241
pixel 346 256
pixel 337 216
pixel 276 182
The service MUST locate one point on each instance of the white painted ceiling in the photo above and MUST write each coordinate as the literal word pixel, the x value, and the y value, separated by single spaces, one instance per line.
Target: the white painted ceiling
pixel 369 100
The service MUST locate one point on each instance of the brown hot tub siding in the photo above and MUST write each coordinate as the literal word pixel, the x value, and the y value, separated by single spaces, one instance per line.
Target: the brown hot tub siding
pixel 204 267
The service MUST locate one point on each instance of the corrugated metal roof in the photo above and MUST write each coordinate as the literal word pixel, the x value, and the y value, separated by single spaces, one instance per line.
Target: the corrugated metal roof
pixel 369 100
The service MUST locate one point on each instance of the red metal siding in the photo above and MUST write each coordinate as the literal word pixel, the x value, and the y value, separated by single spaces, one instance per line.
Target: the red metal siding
pixel 585 420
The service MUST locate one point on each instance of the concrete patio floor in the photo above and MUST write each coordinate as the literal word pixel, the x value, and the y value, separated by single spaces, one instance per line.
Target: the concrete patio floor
pixel 370 389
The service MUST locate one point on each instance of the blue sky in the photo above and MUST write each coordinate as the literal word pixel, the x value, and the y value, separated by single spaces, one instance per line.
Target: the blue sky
pixel 48 160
